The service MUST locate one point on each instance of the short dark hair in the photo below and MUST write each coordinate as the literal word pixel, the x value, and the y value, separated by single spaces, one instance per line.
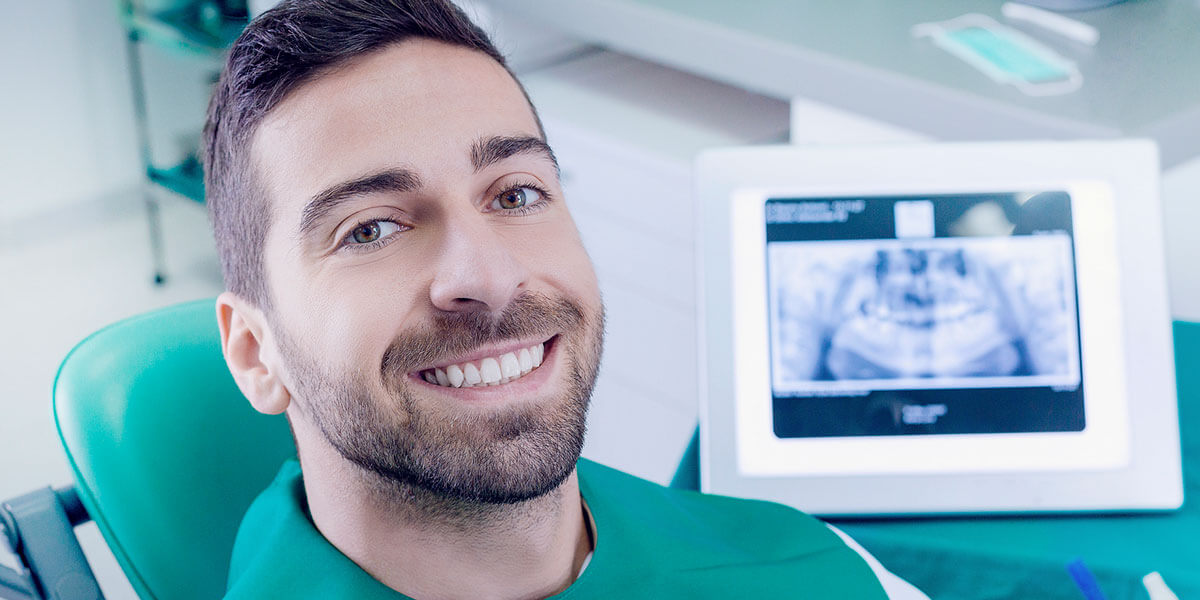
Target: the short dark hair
pixel 279 51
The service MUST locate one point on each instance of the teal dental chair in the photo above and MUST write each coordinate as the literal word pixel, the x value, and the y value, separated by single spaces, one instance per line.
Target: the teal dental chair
pixel 166 453
pixel 167 456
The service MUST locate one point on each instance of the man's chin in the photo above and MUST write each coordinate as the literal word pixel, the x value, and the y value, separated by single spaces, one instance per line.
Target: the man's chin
pixel 503 458
pixel 492 446
pixel 501 483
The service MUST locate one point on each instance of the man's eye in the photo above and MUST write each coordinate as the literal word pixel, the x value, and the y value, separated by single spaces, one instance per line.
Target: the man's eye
pixel 515 198
pixel 372 231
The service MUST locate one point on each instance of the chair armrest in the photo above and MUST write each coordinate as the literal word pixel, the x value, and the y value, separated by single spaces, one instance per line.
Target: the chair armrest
pixel 40 529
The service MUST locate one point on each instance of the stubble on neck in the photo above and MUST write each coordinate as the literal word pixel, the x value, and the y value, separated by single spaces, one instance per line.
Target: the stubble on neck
pixel 428 546
pixel 447 516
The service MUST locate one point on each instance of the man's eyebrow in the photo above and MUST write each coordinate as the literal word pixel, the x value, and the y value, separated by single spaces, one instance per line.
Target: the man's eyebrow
pixel 389 180
pixel 489 151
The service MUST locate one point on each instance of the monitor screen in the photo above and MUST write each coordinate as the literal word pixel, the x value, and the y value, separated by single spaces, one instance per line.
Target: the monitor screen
pixel 936 328
pixel 923 314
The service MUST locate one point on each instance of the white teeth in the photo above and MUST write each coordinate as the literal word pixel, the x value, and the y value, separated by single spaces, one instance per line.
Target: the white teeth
pixel 471 375
pixel 489 370
pixel 509 367
pixel 455 374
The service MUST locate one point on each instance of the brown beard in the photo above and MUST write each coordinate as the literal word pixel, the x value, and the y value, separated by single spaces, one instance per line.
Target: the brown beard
pixel 506 456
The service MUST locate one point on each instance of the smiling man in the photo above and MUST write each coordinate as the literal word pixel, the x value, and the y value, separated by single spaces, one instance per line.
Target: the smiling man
pixel 406 284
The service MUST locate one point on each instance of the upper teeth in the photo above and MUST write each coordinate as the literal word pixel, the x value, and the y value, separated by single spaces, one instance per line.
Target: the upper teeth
pixel 489 371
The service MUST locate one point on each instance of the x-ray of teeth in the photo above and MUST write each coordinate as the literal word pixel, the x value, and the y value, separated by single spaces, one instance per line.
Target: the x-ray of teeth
pixel 924 310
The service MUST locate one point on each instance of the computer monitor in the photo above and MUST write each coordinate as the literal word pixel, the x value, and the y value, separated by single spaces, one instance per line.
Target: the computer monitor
pixel 937 328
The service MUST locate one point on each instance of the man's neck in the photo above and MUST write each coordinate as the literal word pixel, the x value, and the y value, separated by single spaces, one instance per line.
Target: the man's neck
pixel 429 547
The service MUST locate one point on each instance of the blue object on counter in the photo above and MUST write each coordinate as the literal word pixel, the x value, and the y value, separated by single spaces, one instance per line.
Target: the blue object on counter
pixel 1085 580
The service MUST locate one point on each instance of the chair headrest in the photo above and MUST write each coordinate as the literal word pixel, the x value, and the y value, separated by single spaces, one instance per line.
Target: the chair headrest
pixel 167 453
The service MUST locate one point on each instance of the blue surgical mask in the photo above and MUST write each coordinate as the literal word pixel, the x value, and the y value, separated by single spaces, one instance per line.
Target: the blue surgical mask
pixel 1004 54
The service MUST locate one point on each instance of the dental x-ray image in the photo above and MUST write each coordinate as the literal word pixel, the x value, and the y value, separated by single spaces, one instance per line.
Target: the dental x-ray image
pixel 951 312
pixel 923 315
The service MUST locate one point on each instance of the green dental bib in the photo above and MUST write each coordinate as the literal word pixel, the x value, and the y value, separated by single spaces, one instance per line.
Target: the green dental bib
pixel 651 542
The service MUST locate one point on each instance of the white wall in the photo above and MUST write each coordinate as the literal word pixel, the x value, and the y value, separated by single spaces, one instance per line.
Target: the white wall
pixel 65 113
pixel 1181 212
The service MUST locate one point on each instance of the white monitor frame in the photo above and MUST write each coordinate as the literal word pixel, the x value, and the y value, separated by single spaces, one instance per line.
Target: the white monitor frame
pixel 1127 456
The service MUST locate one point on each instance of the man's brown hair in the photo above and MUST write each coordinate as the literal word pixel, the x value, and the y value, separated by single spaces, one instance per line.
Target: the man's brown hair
pixel 279 51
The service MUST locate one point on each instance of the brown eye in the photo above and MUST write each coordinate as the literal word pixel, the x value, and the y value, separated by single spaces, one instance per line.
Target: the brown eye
pixel 518 198
pixel 519 201
pixel 373 231
pixel 514 198
pixel 366 233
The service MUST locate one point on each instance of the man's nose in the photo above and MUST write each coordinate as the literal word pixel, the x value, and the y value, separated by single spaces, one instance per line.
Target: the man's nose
pixel 477 270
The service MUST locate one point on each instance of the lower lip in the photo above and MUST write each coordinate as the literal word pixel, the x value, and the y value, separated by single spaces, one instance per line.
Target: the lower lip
pixel 522 386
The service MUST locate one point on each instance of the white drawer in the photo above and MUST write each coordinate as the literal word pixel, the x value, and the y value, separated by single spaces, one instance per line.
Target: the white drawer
pixel 651 347
pixel 661 268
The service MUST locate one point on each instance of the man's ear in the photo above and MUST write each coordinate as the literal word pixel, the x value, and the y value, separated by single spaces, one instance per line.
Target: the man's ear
pixel 251 357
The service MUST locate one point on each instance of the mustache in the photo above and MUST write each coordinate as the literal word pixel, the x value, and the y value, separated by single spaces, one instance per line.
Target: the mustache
pixel 529 315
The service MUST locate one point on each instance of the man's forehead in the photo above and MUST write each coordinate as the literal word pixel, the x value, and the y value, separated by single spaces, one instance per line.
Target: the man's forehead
pixel 410 103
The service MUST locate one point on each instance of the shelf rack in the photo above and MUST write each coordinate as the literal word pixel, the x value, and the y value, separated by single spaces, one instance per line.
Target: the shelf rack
pixel 197 29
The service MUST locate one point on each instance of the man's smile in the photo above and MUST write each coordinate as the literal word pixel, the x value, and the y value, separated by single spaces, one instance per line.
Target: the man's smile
pixel 489 367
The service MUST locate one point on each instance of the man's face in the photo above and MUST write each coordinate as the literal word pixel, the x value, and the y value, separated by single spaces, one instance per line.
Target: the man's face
pixel 420 250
